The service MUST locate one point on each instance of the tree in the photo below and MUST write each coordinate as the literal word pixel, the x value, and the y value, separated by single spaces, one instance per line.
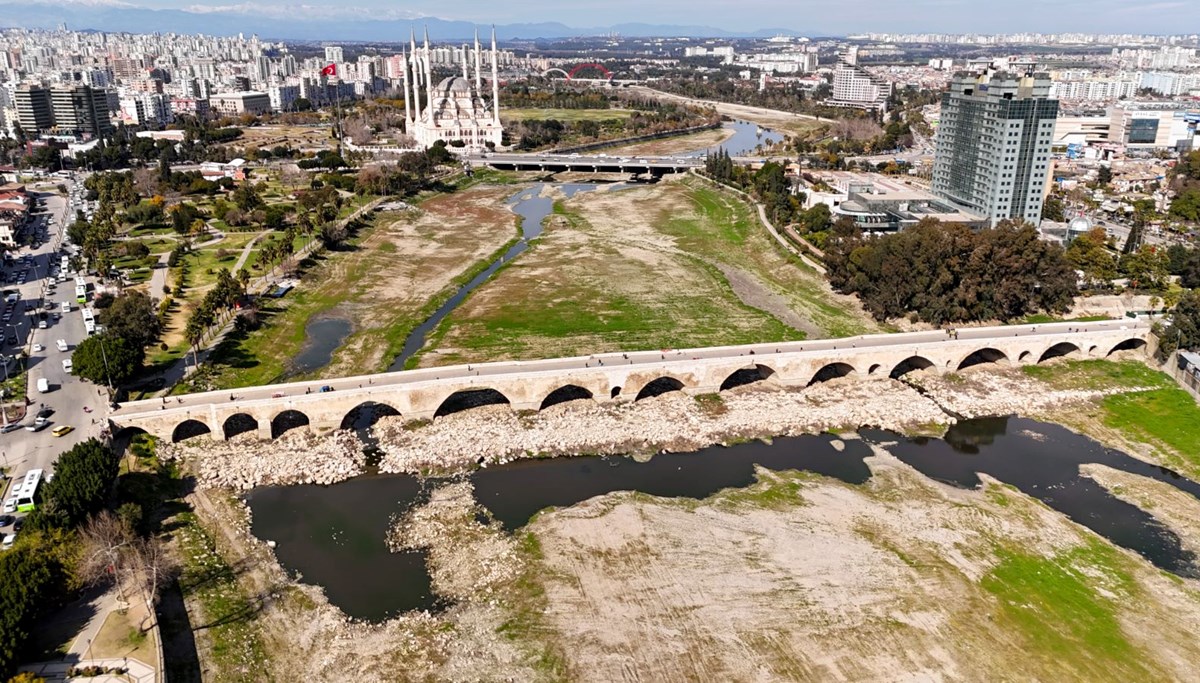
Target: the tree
pixel 246 197
pixel 1184 330
pixel 1186 204
pixel 1104 176
pixel 132 317
pixel 106 541
pixel 332 234
pixel 83 479
pixel 1053 209
pixel 30 576
pixel 1089 254
pixel 107 359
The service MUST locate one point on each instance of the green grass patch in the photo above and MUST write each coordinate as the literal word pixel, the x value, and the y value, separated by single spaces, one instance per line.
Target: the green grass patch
pixel 227 614
pixel 566 115
pixel 1069 627
pixel 1168 418
pixel 1098 374
pixel 1042 318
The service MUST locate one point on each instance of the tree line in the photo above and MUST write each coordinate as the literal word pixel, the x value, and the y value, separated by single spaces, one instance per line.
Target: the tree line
pixel 948 273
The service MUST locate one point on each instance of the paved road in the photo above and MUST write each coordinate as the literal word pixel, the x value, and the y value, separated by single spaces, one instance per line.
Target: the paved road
pixel 646 358
pixel 23 450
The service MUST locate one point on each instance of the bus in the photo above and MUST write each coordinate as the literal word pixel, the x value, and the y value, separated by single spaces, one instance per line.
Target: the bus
pixel 25 490
pixel 81 293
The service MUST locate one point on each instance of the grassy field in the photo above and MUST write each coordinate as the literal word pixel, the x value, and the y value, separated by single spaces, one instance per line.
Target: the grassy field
pixel 565 115
pixel 676 265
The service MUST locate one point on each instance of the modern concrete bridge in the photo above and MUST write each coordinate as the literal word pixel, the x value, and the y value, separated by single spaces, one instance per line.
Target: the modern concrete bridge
pixel 615 377
pixel 558 163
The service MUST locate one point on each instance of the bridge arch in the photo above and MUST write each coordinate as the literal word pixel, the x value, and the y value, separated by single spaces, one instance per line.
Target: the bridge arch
pixel 286 421
pixel 985 355
pixel 470 398
pixel 366 414
pixel 547 73
pixel 564 394
pixel 658 387
pixel 832 371
pixel 746 376
pixel 1132 344
pixel 189 429
pixel 1025 355
pixel 1060 350
pixel 910 364
pixel 238 423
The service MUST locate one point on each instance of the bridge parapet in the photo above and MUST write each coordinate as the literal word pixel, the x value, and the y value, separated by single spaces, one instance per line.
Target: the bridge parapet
pixel 606 378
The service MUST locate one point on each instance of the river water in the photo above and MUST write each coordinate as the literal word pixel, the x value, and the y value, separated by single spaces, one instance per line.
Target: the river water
pixel 323 336
pixel 334 536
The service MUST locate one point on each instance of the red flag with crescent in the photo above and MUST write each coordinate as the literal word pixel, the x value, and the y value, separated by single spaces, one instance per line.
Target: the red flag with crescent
pixel 330 70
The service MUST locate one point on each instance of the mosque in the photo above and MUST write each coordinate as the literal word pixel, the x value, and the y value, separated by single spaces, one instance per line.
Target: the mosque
pixel 454 108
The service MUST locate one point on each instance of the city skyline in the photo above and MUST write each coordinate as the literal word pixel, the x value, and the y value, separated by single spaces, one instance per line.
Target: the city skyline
pixel 540 19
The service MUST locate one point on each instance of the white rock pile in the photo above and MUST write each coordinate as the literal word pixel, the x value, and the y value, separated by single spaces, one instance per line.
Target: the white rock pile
pixel 672 422
pixel 297 457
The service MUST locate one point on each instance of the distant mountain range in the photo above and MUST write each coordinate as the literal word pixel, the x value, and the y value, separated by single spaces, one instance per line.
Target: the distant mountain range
pixel 356 28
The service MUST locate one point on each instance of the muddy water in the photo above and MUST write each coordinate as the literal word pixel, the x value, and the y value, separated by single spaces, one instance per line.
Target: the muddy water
pixel 334 536
pixel 532 209
pixel 322 337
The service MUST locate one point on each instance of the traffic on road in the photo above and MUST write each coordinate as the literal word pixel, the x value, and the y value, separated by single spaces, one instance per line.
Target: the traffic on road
pixel 42 318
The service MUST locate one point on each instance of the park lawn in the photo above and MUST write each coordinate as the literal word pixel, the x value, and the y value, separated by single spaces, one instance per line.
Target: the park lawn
pixel 566 115
pixel 639 268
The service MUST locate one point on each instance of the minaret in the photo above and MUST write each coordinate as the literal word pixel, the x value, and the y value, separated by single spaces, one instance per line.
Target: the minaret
pixel 429 80
pixel 478 71
pixel 495 81
pixel 414 64
pixel 408 109
pixel 465 58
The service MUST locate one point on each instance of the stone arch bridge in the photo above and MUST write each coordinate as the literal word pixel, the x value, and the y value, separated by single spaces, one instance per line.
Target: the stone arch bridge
pixel 614 377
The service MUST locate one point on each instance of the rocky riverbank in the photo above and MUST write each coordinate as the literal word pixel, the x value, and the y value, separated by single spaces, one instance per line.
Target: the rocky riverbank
pixel 672 422
pixel 297 457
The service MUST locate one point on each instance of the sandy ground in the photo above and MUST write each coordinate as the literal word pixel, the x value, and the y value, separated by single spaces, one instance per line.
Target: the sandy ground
pixel 415 255
pixel 679 144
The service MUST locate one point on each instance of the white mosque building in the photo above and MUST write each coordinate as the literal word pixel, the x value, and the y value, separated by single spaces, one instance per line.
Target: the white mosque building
pixel 455 108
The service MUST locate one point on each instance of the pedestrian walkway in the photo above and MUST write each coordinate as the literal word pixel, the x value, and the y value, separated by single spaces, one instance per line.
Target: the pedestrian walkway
pixel 136 671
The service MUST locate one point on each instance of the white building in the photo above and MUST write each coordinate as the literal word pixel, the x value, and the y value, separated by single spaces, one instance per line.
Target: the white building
pixel 453 109
pixel 854 86
pixel 235 103
pixel 283 96
pixel 334 54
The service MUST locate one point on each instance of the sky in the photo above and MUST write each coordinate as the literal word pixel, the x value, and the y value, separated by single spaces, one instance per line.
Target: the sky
pixel 805 16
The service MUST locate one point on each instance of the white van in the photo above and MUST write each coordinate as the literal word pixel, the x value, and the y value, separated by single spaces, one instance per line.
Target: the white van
pixel 43 385
pixel 67 365
pixel 66 307
pixel 61 344
pixel 9 539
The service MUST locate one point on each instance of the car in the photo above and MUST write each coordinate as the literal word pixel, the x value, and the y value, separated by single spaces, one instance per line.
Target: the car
pixel 10 506
pixel 66 365
pixel 35 426
pixel 62 430
pixel 61 344
pixel 325 389
pixel 9 540
pixel 7 520
pixel 10 427
pixel 38 348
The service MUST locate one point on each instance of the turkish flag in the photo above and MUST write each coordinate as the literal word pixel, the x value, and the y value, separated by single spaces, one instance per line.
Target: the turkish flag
pixel 330 70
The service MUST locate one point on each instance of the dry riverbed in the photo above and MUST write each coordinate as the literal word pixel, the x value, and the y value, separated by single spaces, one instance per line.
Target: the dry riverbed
pixel 797 577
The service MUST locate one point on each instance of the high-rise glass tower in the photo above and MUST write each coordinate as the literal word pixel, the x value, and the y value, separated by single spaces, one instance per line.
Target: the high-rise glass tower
pixel 993 144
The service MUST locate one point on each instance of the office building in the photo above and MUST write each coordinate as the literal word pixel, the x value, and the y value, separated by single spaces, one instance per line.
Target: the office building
pixel 33 108
pixel 81 110
pixel 235 103
pixel 993 144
